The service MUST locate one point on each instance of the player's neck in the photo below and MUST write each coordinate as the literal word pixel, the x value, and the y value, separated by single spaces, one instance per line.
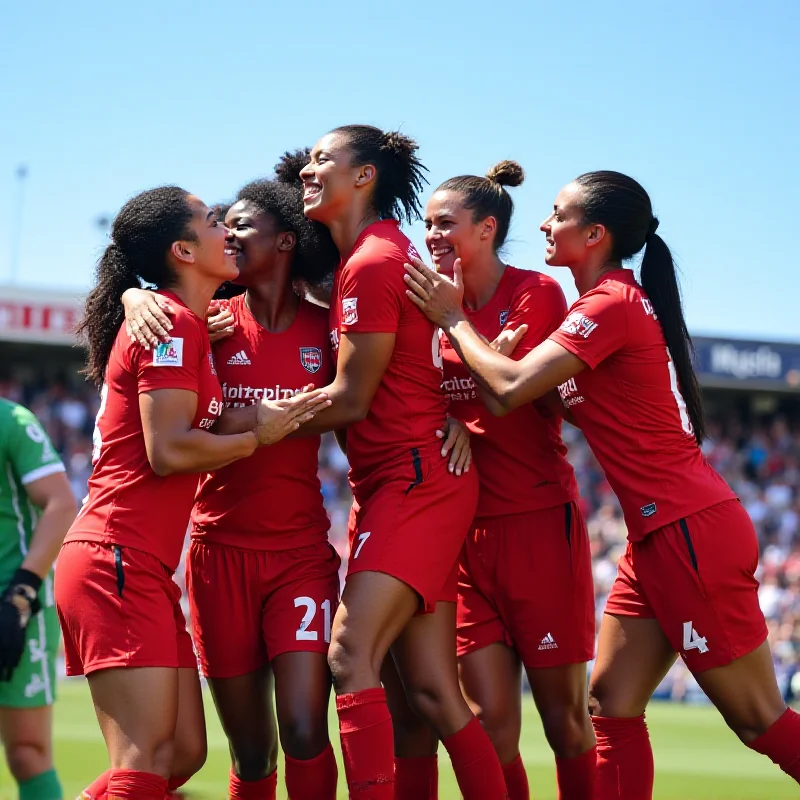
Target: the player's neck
pixel 588 276
pixel 196 294
pixel 273 302
pixel 346 229
pixel 481 279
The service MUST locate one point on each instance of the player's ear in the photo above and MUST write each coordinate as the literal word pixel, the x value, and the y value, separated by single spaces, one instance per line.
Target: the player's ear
pixel 597 234
pixel 182 252
pixel 286 241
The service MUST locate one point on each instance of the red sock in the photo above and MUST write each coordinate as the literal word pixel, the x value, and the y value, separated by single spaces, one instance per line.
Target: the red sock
pixel 516 779
pixel 575 776
pixel 314 779
pixel 173 784
pixel 477 767
pixel 365 726
pixel 416 778
pixel 265 789
pixel 130 784
pixel 624 759
pixel 98 787
pixel 781 742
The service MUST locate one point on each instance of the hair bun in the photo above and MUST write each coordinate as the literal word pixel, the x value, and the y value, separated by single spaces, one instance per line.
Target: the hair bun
pixel 398 144
pixel 287 170
pixel 506 173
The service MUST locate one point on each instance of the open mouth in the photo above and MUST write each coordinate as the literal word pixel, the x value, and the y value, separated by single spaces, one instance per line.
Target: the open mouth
pixel 310 191
pixel 232 251
pixel 440 251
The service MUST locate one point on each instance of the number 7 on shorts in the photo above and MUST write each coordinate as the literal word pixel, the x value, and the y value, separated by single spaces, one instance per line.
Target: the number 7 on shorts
pixel 362 538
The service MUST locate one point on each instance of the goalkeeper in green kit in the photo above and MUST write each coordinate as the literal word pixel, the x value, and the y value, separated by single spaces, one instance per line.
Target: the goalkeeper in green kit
pixel 36 509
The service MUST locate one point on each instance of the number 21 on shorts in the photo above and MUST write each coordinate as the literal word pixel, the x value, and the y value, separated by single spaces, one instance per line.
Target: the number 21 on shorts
pixel 303 633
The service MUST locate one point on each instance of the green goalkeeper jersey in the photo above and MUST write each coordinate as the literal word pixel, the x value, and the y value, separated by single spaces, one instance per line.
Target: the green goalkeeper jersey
pixel 26 454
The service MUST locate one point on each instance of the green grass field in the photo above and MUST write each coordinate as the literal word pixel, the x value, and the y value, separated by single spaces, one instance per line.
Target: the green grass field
pixel 697 758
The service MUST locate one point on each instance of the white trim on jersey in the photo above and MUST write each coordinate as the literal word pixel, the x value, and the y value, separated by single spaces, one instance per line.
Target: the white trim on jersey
pixel 23 545
pixel 43 472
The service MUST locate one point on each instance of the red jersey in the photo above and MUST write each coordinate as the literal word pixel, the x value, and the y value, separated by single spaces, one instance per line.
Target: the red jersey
pixel 369 296
pixel 128 504
pixel 630 408
pixel 271 500
pixel 520 457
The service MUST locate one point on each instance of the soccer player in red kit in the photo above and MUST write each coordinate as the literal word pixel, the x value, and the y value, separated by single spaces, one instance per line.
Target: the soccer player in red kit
pixel 621 362
pixel 117 604
pixel 262 578
pixel 413 513
pixel 525 584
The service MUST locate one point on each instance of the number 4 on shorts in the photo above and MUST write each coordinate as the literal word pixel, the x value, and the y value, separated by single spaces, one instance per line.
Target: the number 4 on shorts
pixel 691 640
pixel 362 538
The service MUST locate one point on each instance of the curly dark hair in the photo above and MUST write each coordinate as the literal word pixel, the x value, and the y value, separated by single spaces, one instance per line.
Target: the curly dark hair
pixel 315 256
pixel 141 236
pixel 400 174
pixel 287 170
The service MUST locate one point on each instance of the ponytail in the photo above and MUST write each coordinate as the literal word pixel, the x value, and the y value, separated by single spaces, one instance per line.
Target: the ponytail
pixel 400 174
pixel 103 313
pixel 660 282
pixel 142 234
pixel 622 205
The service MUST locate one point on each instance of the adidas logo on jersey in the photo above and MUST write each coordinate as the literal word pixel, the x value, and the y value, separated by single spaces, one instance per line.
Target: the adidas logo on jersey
pixel 548 643
pixel 239 359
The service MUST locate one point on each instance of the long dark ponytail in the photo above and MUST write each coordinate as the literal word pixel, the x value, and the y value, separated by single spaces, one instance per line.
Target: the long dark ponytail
pixel 621 204
pixel 141 236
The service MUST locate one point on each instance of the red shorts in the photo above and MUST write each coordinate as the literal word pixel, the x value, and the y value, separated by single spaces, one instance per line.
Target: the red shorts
pixel 697 578
pixel 250 606
pixel 411 524
pixel 526 580
pixel 119 607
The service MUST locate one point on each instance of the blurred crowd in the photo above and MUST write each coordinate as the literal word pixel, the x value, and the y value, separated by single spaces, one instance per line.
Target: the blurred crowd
pixel 761 463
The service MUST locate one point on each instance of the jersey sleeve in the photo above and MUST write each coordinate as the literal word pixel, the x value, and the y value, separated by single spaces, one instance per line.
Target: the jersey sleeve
pixel 29 449
pixel 542 307
pixel 174 364
pixel 372 292
pixel 595 328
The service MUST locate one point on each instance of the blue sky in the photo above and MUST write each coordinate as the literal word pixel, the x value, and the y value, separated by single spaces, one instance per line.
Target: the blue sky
pixel 699 101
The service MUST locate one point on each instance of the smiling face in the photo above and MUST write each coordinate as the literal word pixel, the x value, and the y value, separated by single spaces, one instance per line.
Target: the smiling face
pixel 209 255
pixel 255 240
pixel 330 179
pixel 452 232
pixel 568 238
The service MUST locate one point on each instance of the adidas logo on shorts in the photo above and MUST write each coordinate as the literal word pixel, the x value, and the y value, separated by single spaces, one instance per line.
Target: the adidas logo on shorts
pixel 239 359
pixel 548 643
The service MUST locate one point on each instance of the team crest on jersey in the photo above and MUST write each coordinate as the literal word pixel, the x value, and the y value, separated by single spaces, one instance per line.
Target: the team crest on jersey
pixel 578 325
pixel 504 317
pixel 169 354
pixel 412 251
pixel 311 359
pixel 349 310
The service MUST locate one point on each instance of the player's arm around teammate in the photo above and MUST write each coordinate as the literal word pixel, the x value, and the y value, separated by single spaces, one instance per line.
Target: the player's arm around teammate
pixel 412 514
pixel 686 583
pixel 116 600
pixel 525 582
pixel 32 477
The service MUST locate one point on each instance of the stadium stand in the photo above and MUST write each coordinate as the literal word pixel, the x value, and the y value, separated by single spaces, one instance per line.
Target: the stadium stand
pixel 752 395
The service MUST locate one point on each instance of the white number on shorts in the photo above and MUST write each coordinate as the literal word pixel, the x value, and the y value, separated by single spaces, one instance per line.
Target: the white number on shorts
pixel 691 640
pixel 362 537
pixel 303 634
pixel 326 610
